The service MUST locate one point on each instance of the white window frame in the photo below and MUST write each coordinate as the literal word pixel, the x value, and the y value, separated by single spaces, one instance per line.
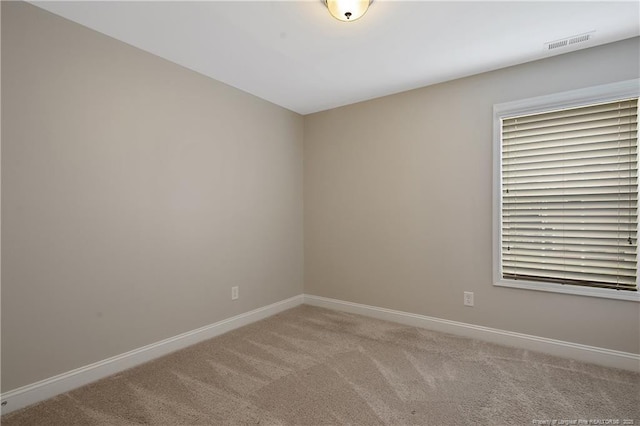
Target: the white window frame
pixel 574 98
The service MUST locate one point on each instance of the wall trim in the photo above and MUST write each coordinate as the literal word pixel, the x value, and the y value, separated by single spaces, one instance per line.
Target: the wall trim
pixel 577 351
pixel 45 389
pixel 48 388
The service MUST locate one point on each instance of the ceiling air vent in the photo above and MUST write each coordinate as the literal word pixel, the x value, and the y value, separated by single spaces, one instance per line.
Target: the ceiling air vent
pixel 580 38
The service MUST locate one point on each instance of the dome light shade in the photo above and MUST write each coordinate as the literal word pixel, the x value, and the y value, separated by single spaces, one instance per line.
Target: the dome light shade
pixel 347 10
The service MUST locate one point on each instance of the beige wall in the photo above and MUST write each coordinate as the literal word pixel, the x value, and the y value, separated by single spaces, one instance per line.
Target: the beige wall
pixel 135 193
pixel 398 203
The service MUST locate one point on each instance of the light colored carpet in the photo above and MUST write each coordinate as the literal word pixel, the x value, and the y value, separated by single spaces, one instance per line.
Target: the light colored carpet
pixel 312 366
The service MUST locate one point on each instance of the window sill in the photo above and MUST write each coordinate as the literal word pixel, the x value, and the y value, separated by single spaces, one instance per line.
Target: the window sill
pixel 570 289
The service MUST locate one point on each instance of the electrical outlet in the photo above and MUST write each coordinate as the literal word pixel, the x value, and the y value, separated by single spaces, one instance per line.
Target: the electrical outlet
pixel 234 293
pixel 468 298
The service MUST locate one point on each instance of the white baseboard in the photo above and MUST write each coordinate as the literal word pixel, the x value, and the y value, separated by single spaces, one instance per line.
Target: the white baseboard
pixel 591 354
pixel 44 389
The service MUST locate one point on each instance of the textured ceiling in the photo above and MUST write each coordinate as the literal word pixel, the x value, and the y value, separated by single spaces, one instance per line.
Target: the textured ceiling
pixel 294 54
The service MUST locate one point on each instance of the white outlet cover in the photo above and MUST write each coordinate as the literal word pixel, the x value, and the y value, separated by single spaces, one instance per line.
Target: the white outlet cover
pixel 468 298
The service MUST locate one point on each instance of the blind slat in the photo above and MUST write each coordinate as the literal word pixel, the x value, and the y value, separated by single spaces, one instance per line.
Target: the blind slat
pixel 538 252
pixel 572 130
pixel 623 153
pixel 622 131
pixel 626 114
pixel 585 164
pixel 572 112
pixel 613 133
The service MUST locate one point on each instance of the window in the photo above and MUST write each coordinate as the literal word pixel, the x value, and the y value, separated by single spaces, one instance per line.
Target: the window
pixel 566 190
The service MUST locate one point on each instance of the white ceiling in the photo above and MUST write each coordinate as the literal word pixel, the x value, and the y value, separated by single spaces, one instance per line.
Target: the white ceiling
pixel 294 54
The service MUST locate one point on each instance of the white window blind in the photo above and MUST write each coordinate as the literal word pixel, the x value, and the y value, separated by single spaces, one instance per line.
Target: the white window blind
pixel 569 196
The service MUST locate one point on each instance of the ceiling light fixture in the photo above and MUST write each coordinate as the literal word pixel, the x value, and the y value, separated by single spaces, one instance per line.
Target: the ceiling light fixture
pixel 347 10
